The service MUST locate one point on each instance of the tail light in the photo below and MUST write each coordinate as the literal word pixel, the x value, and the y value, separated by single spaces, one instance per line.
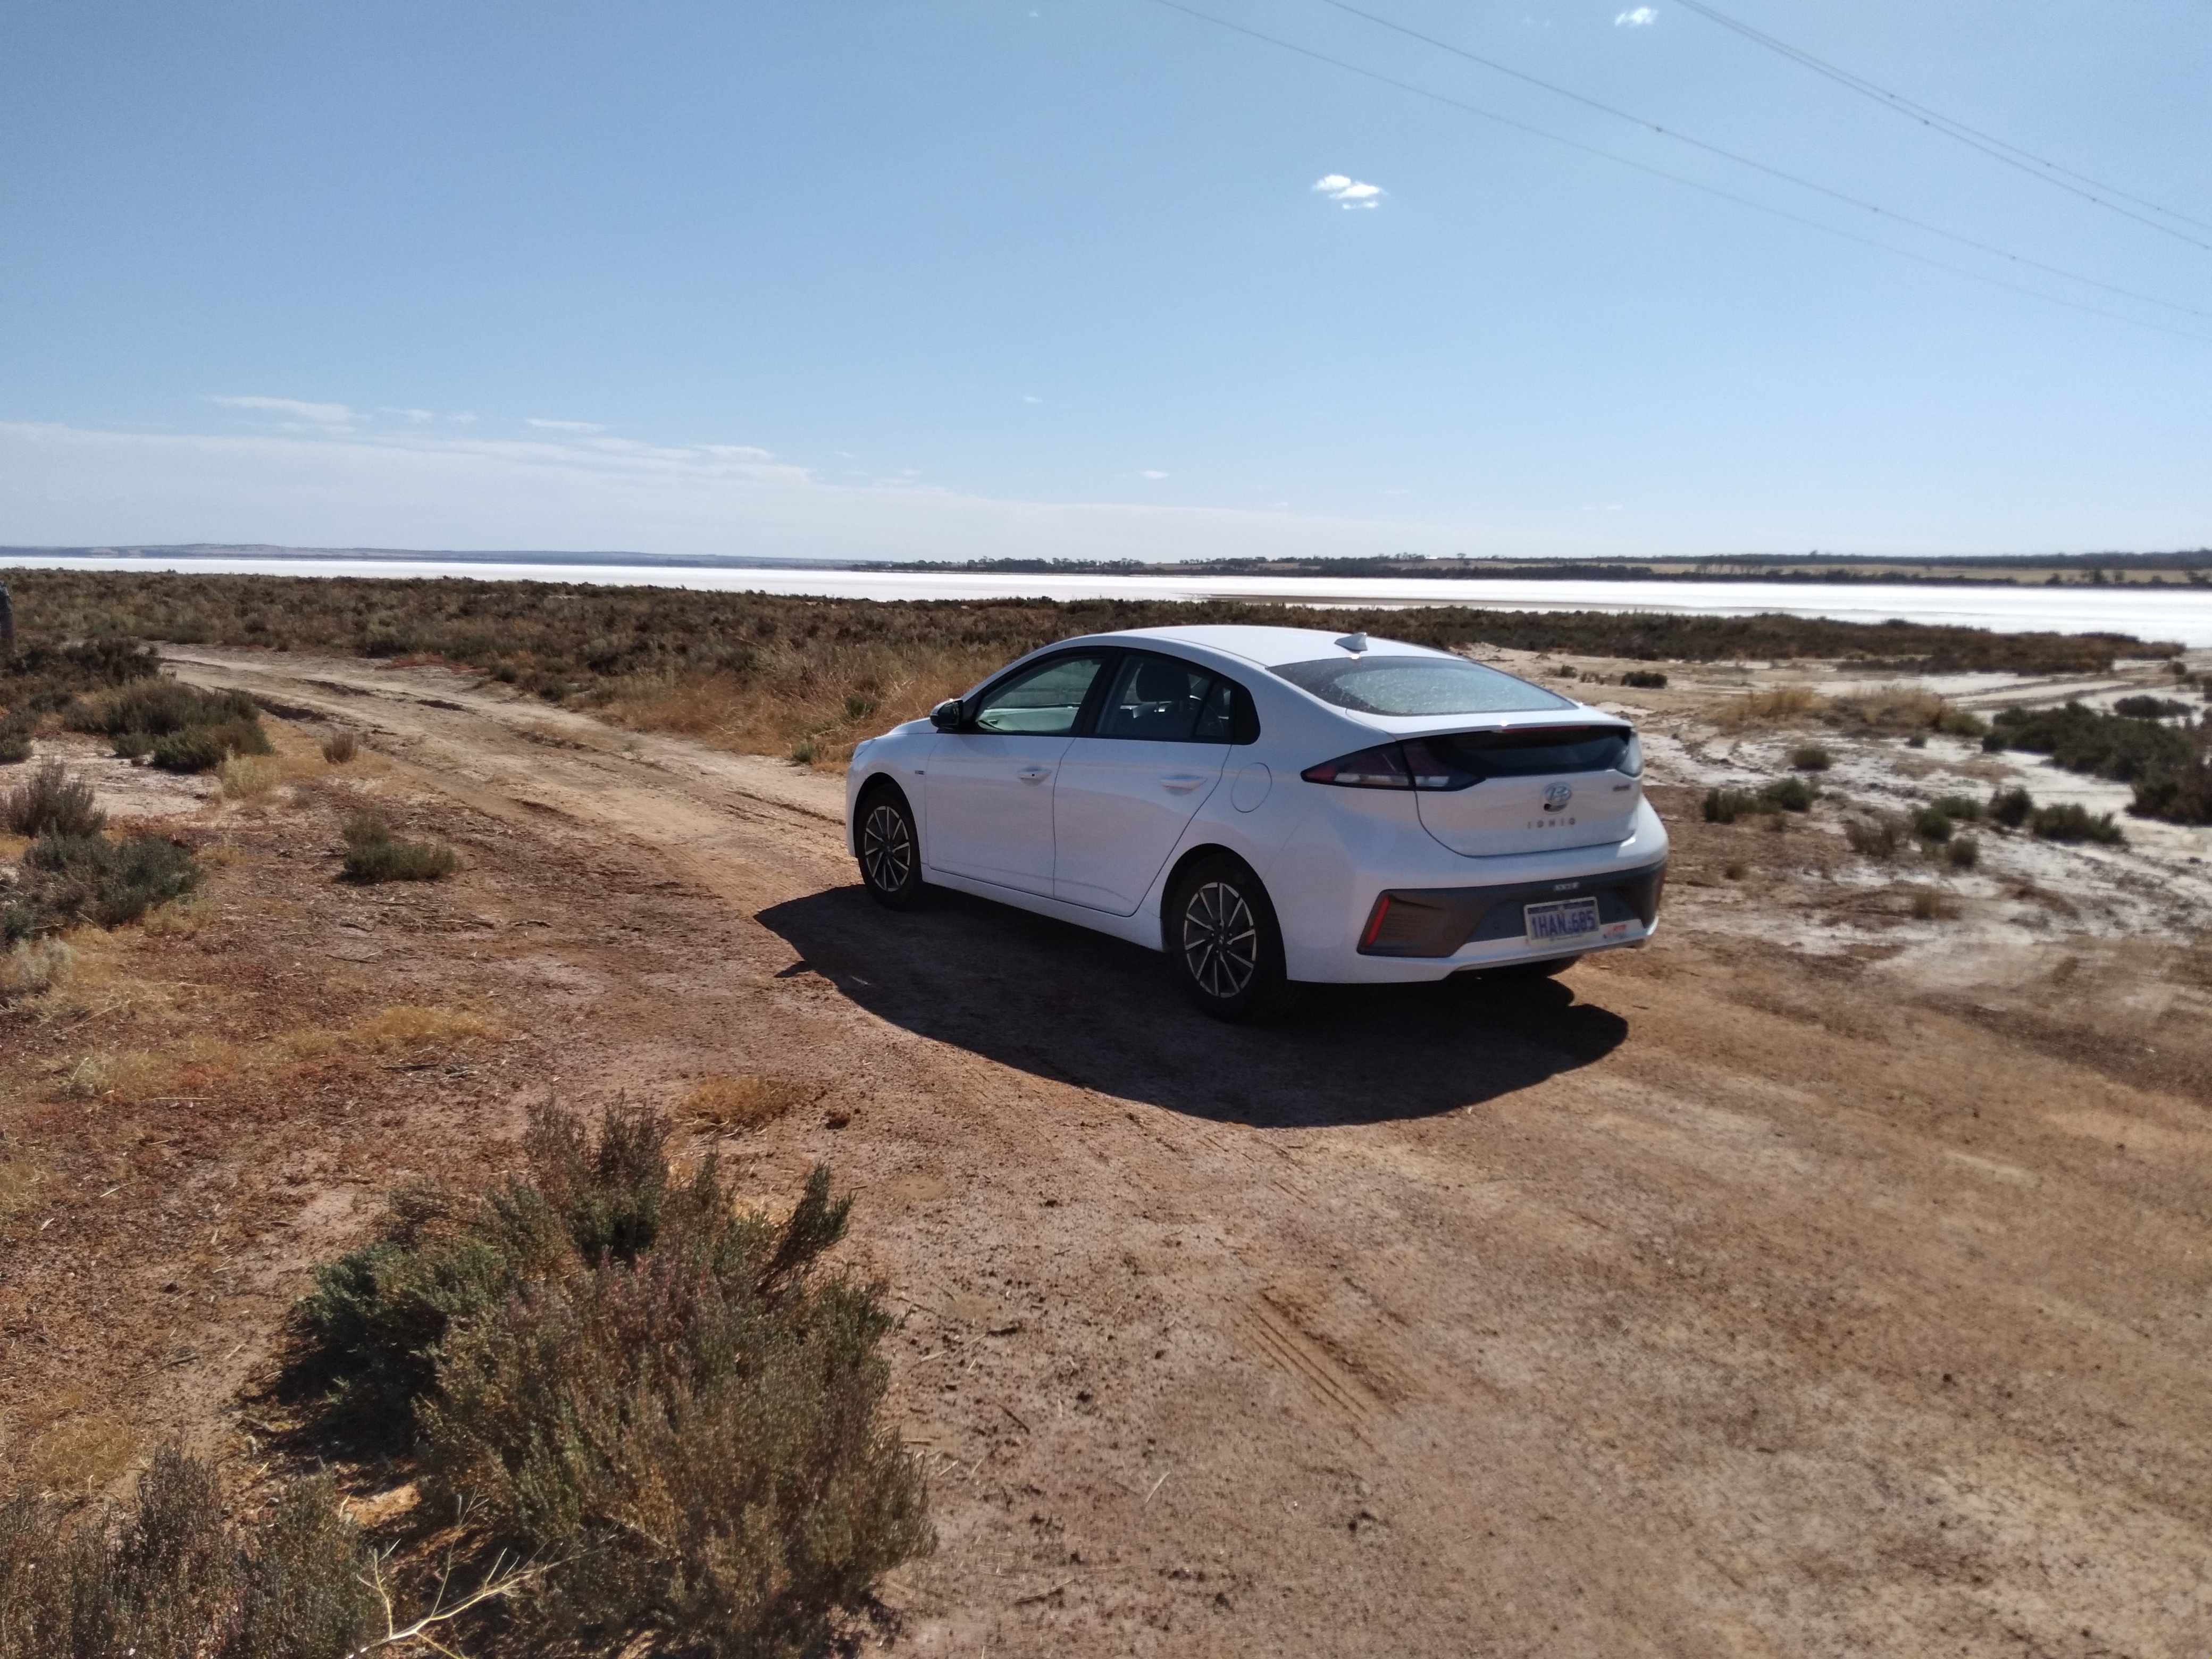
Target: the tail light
pixel 1390 766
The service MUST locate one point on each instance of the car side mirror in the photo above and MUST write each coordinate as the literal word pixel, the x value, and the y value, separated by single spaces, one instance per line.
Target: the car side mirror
pixel 948 716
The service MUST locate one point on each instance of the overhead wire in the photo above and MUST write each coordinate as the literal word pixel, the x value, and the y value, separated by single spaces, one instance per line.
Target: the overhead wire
pixel 1757 165
pixel 1699 186
pixel 2051 172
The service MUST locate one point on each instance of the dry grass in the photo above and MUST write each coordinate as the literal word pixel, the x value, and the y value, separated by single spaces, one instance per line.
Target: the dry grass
pixel 33 966
pixel 340 748
pixel 407 1026
pixel 82 1455
pixel 250 777
pixel 745 1103
pixel 21 1184
pixel 179 918
pixel 1784 705
pixel 1927 904
pixel 197 1062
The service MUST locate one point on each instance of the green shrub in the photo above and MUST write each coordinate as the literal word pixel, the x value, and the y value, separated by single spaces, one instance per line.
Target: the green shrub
pixel 14 739
pixel 2011 807
pixel 165 1577
pixel 2181 794
pixel 49 805
pixel 132 745
pixel 373 853
pixel 1960 809
pixel 2073 821
pixel 1811 757
pixel 70 880
pixel 2150 708
pixel 1792 794
pixel 1964 852
pixel 629 1377
pixel 1644 679
pixel 1930 824
pixel 2086 740
pixel 158 707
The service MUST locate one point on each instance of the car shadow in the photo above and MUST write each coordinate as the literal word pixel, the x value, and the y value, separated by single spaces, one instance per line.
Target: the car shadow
pixel 1061 1002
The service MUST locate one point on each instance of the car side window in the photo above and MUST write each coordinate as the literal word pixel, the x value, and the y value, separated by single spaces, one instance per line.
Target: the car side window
pixel 1158 699
pixel 1043 701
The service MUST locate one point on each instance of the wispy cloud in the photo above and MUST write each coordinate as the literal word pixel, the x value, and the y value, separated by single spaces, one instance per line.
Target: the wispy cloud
pixel 1030 397
pixel 1348 192
pixel 406 485
pixel 1642 18
pixel 312 414
pixel 585 427
pixel 1149 473
pixel 414 414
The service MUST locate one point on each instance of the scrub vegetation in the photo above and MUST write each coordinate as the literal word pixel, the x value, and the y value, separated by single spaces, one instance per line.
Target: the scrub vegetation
pixel 780 676
pixel 2166 764
pixel 645 1418
pixel 373 853
pixel 73 875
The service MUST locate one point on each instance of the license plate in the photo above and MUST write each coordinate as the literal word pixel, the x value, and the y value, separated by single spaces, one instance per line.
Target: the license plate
pixel 1561 919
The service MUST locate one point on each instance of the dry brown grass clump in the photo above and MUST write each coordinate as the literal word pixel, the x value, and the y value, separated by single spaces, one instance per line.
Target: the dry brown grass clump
pixel 1782 705
pixel 407 1026
pixel 340 747
pixel 249 777
pixel 745 1103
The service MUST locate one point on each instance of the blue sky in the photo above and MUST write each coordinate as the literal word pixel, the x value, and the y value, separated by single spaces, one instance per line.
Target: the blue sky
pixel 882 280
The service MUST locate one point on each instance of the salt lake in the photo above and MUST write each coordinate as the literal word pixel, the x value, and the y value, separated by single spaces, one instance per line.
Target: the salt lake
pixel 2174 613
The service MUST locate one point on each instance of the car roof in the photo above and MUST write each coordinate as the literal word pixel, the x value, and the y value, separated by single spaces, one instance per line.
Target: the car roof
pixel 1270 647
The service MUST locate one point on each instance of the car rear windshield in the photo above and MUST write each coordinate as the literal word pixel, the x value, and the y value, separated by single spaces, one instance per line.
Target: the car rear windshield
pixel 1539 751
pixel 1417 685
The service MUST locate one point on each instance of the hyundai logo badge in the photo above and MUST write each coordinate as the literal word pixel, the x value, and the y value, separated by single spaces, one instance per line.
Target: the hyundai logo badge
pixel 1557 795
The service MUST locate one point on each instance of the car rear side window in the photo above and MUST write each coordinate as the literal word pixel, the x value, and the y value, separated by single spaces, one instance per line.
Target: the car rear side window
pixel 1043 701
pixel 1163 700
pixel 1417 685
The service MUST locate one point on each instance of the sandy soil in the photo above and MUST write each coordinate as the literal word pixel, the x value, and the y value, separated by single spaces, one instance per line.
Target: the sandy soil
pixel 1818 1280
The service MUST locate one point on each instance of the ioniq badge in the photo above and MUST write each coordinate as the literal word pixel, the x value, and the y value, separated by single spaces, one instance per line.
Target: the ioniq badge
pixel 1557 795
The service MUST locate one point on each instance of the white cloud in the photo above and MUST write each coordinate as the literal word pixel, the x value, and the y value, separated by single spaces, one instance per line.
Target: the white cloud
pixel 413 413
pixel 314 414
pixel 1348 192
pixel 1149 473
pixel 409 486
pixel 1027 398
pixel 1642 17
pixel 564 426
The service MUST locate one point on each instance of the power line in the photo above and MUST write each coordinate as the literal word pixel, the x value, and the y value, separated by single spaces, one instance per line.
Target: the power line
pixel 2011 155
pixel 1757 166
pixel 1674 177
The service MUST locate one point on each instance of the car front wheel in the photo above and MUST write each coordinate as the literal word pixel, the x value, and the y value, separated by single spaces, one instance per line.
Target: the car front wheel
pixel 889 851
pixel 1227 949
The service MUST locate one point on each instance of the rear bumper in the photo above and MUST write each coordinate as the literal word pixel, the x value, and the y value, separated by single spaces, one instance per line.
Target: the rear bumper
pixel 1431 923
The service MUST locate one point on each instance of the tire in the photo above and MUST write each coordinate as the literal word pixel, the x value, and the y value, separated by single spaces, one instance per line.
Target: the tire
pixel 889 849
pixel 1223 940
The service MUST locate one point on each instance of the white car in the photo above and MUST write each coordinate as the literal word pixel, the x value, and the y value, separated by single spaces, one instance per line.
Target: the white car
pixel 1272 806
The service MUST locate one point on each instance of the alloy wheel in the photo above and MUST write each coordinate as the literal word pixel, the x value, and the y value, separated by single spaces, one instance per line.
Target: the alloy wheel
pixel 1220 940
pixel 887 849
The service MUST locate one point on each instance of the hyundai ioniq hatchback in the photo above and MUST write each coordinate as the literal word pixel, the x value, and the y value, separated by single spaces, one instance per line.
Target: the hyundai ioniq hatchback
pixel 1271 806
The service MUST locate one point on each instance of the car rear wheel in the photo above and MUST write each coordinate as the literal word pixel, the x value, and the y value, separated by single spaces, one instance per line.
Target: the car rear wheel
pixel 1227 949
pixel 889 851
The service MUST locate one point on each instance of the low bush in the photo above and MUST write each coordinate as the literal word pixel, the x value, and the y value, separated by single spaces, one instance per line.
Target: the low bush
pixel 1791 794
pixel 88 879
pixel 1960 809
pixel 1901 709
pixel 2073 821
pixel 1930 824
pixel 49 803
pixel 1727 805
pixel 1811 757
pixel 165 1577
pixel 1964 852
pixel 665 1398
pixel 340 747
pixel 1926 904
pixel 2011 807
pixel 29 966
pixel 14 739
pixel 1644 679
pixel 2087 740
pixel 2150 708
pixel 373 853
pixel 182 730
pixel 1874 838
pixel 2180 794
pixel 249 777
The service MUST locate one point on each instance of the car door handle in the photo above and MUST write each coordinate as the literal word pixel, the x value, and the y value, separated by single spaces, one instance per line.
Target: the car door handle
pixel 1034 774
pixel 1181 782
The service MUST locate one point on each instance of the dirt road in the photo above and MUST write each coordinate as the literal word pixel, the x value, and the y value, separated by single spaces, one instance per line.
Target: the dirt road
pixel 1715 1300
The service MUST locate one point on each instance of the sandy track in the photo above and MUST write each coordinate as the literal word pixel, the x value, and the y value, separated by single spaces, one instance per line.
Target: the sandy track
pixel 1712 1301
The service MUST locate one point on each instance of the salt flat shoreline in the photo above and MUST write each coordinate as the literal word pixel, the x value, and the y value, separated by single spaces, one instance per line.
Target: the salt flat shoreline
pixel 2180 614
